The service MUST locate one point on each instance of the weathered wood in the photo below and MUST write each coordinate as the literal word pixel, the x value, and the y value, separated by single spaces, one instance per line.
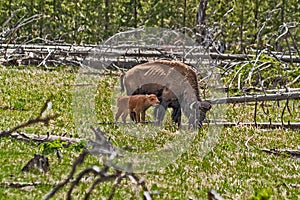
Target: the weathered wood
pixel 253 89
pixel 19 184
pixel 43 138
pixel 262 125
pixel 213 195
pixel 291 152
pixel 284 58
pixel 117 52
pixel 255 98
pixel 294 185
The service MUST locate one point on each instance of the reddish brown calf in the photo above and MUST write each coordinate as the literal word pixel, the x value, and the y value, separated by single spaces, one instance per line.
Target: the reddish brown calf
pixel 136 105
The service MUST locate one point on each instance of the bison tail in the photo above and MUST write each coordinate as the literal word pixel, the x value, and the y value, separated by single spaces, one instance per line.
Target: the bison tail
pixel 122 82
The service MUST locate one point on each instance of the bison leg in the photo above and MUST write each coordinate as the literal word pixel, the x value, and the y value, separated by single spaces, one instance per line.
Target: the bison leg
pixel 159 113
pixel 176 115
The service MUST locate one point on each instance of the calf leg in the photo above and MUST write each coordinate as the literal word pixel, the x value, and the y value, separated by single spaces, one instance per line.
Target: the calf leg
pixel 143 116
pixel 118 114
pixel 132 116
pixel 137 117
pixel 124 117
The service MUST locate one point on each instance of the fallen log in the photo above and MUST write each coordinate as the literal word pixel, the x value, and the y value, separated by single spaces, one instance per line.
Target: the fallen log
pixel 242 57
pixel 294 185
pixel 255 98
pixel 43 138
pixel 19 184
pixel 261 125
pixel 253 89
pixel 293 153
pixel 113 53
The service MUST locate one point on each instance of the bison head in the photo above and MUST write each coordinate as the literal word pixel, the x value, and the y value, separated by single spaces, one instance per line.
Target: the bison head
pixel 197 112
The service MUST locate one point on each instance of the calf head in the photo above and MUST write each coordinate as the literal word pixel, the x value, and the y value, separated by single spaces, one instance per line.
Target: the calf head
pixel 152 99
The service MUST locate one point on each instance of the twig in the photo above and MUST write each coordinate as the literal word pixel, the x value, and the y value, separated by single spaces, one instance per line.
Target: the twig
pixel 247 141
pixel 95 170
pixel 294 81
pixel 238 71
pixel 77 162
pixel 45 59
pixel 255 113
pixel 19 184
pixel 42 118
pixel 147 195
pixel 28 123
pixel 101 147
pixel 283 110
pixel 98 181
pixel 266 112
pixel 294 42
pixel 114 187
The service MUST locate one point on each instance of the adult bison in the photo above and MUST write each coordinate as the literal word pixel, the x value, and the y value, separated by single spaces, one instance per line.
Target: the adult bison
pixel 174 83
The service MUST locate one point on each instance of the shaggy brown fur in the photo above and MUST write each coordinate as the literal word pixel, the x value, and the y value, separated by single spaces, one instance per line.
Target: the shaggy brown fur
pixel 174 83
pixel 158 68
pixel 136 105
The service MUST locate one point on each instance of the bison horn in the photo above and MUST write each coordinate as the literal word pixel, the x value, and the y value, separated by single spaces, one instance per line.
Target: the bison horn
pixel 192 105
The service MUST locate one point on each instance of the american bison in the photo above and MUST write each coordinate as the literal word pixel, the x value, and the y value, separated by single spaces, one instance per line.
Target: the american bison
pixel 135 105
pixel 174 83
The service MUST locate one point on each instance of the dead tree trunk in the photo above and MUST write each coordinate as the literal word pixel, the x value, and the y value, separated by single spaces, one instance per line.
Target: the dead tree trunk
pixel 201 15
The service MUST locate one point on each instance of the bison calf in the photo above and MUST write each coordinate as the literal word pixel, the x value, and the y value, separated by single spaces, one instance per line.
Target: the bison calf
pixel 136 105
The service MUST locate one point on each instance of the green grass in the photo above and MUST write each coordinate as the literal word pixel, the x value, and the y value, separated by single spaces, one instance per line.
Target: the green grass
pixel 230 168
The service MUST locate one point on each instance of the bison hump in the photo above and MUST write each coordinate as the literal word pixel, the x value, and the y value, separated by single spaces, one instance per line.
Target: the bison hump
pixel 155 71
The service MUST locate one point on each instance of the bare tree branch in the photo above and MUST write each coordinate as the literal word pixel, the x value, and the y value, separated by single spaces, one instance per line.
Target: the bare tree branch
pixel 40 119
pixel 78 161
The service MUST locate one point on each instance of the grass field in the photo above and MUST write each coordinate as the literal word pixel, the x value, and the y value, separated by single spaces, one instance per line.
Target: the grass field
pixel 234 165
